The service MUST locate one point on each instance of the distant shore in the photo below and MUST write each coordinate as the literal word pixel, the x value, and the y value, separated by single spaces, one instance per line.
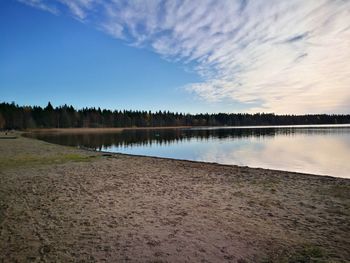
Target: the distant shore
pixel 59 203
pixel 102 130
pixel 118 129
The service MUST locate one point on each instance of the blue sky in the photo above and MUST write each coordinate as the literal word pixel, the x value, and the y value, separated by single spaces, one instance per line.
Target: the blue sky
pixel 188 56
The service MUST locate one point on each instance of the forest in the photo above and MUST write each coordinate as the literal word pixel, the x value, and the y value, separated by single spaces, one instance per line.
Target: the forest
pixel 13 116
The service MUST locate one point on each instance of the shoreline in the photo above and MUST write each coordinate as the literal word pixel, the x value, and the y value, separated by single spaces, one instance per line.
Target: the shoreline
pixel 75 204
pixel 169 158
pixel 18 134
pixel 101 130
pixel 212 163
pixel 87 131
pixel 118 129
pixel 175 159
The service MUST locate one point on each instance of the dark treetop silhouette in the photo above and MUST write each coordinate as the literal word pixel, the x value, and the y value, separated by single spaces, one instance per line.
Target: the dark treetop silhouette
pixel 13 116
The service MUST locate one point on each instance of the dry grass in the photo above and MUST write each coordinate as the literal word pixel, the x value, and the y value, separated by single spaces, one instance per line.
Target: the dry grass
pixel 33 160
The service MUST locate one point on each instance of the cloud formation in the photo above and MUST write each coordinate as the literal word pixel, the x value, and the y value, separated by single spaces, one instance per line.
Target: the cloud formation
pixel 284 56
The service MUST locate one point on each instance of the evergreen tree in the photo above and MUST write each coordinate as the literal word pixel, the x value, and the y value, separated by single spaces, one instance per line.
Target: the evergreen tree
pixel 13 116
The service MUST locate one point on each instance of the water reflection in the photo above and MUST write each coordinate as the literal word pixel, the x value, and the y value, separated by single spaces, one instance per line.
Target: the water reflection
pixel 315 150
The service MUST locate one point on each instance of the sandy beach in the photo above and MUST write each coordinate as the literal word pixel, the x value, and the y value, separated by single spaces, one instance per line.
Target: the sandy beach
pixel 61 204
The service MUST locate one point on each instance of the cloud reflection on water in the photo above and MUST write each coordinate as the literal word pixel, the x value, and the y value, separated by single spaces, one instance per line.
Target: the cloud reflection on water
pixel 317 154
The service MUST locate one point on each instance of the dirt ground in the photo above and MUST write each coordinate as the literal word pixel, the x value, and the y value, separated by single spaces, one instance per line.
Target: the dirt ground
pixel 60 204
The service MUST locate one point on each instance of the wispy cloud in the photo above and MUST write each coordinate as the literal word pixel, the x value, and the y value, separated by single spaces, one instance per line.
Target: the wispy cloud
pixel 41 5
pixel 285 56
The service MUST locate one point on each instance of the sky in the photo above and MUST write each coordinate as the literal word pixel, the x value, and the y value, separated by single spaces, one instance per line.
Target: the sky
pixel 179 55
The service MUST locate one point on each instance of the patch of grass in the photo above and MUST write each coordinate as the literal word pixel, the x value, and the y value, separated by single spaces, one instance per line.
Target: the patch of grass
pixel 338 211
pixel 273 190
pixel 76 157
pixel 267 184
pixel 309 254
pixel 31 160
pixel 340 191
pixel 305 254
pixel 238 194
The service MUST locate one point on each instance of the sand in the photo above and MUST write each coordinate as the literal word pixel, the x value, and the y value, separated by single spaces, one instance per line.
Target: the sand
pixel 61 204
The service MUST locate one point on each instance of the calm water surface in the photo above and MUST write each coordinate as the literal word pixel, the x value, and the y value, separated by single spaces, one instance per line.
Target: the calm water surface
pixel 321 150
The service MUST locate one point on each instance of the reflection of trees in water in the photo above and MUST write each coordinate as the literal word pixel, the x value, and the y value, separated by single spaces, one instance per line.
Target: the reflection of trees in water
pixel 129 138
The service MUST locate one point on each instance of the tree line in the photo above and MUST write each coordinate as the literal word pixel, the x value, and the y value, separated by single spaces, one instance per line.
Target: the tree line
pixel 13 116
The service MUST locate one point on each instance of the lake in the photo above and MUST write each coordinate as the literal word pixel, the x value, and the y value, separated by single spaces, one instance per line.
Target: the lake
pixel 317 149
